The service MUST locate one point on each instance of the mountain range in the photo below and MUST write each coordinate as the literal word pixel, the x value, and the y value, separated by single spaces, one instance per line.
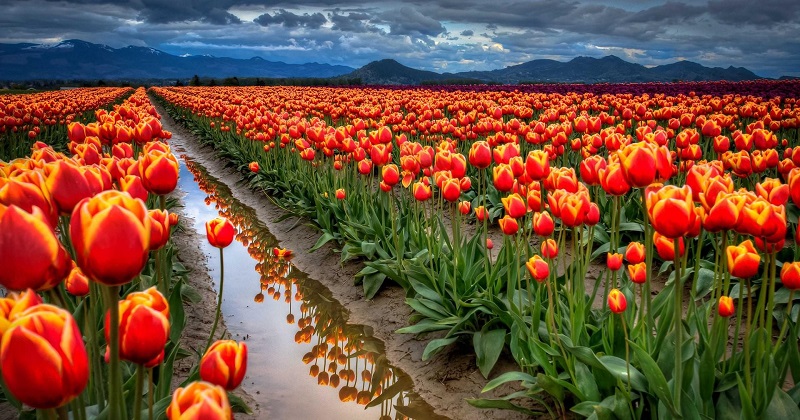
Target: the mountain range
pixel 80 60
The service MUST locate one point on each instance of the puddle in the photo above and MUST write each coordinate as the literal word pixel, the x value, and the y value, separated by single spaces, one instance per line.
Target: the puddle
pixel 305 360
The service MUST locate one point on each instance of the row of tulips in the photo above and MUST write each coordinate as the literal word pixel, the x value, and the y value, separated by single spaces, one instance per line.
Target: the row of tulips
pixel 395 177
pixel 344 356
pixel 95 306
pixel 25 119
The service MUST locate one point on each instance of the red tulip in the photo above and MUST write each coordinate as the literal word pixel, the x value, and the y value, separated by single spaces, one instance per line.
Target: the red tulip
pixel 549 248
pixel 790 275
pixel 254 167
pixel 220 232
pixel 537 165
pixel 341 194
pixel 725 307
pixel 159 171
pixel 143 327
pixel 543 224
pixel 451 189
pixel 671 211
pixel 224 364
pixel 634 252
pixel 538 268
pixel 43 359
pixel 617 301
pixel 77 283
pixel 514 205
pixel 480 155
pixel 508 225
pixel 613 261
pixel 638 272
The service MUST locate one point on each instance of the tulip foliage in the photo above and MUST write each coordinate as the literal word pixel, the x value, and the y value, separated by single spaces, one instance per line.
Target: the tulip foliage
pixel 642 226
pixel 92 323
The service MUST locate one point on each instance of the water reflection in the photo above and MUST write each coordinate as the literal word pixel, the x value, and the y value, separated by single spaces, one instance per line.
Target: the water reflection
pixel 342 357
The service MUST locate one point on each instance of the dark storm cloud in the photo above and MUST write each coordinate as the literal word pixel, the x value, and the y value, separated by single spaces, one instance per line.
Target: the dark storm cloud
pixel 468 32
pixel 762 13
pixel 409 21
pixel 291 20
pixel 355 22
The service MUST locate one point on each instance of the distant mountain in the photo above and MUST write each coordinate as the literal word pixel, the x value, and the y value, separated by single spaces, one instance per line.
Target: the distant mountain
pixel 609 69
pixel 80 60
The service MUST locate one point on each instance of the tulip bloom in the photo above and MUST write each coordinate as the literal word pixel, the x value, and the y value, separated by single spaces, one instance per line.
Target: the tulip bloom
pixel 617 301
pixel 341 194
pixel 421 191
pixel 550 248
pixel 220 232
pixel 224 364
pixel 14 304
pixel 638 162
pixel 200 400
pixel 503 177
pixel 254 167
pixel 666 248
pixel 671 211
pixel 111 236
pixel 489 243
pixel 159 228
pixel 390 174
pixel 537 165
pixel 43 359
pixel 613 261
pixel 538 268
pixel 725 213
pixel 725 307
pixel 481 214
pixel 543 224
pixel 514 205
pixel 464 207
pixel 77 284
pixel 790 275
pixel 590 169
pixel 480 155
pixel 793 179
pixel 634 253
pixel 451 189
pixel 67 184
pixel 143 327
pixel 508 225
pixel 159 171
pixel 638 272
pixel 30 254
pixel 133 185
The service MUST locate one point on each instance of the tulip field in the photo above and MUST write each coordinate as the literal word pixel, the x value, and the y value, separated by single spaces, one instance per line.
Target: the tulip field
pixel 92 320
pixel 631 248
pixel 647 260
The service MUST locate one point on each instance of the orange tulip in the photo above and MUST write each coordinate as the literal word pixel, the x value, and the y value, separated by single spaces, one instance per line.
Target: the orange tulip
pixel 550 248
pixel 613 261
pixel 590 169
pixel 77 283
pixel 159 228
pixel 537 165
pixel 514 205
pixel 390 174
pixel 134 186
pixel 538 268
pixel 793 179
pixel 763 220
pixel 30 254
pixel 503 177
pixel 67 184
pixel 26 191
pixel 638 162
pixel 143 327
pixel 111 236
pixel 613 181
pixel 481 214
pixel 743 259
pixel 725 307
pixel 464 207
pixel 220 232
pixel 43 359
pixel 480 155
pixel 200 401
pixel 790 275
pixel 638 272
pixel 421 191
pixel 634 252
pixel 508 225
pixel 159 172
pixel 666 248
pixel 14 304
pixel 451 189
pixel 725 213
pixel 671 211
pixel 341 194
pixel 489 243
pixel 254 167
pixel 617 301
pixel 224 364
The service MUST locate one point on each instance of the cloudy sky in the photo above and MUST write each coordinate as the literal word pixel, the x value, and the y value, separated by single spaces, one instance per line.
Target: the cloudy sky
pixel 449 35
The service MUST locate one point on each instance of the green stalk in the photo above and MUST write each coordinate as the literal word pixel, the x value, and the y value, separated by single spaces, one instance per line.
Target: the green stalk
pixel 137 401
pixel 677 328
pixel 627 351
pixel 116 401
pixel 219 299
pixel 151 389
pixel 649 322
pixel 785 323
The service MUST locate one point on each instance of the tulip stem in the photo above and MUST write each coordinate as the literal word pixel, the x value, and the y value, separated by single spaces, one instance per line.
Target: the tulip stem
pixel 627 351
pixel 137 396
pixel 785 323
pixel 150 393
pixel 219 299
pixel 677 328
pixel 46 414
pixel 116 402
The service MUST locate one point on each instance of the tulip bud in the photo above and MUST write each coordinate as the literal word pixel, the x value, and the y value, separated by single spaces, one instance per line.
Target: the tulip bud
pixel 725 306
pixel 538 268
pixel 614 261
pixel 634 253
pixel 200 400
pixel 77 284
pixel 340 194
pixel 508 225
pixel 743 260
pixel 790 275
pixel 638 272
pixel 549 248
pixel 254 167
pixel 220 232
pixel 617 301
pixel 224 364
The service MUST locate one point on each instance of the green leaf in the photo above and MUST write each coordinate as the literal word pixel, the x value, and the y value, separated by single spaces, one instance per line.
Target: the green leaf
pixel 502 404
pixel 704 283
pixel 488 346
pixel 631 227
pixel 618 368
pixel 324 239
pixel 655 377
pixel 748 411
pixel 237 404
pixel 401 385
pixel 426 325
pixel 437 345
pixel 372 283
pixel 782 406
pixel 508 377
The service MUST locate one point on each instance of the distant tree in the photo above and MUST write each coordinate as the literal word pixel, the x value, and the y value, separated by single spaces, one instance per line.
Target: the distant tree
pixel 178 83
pixel 231 81
pixel 259 82
pixel 101 82
pixel 212 82
pixel 195 81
